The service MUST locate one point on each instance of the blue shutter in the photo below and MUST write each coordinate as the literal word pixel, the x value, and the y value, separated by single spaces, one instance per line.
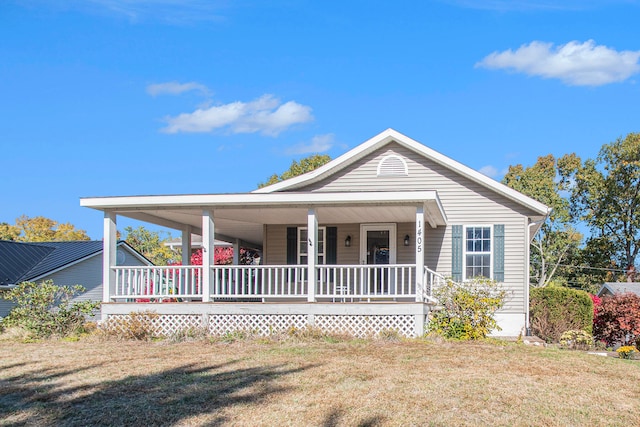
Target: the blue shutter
pixel 498 253
pixel 331 245
pixel 292 245
pixel 456 253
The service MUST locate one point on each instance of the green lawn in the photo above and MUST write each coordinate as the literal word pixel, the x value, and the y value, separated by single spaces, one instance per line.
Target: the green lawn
pixel 312 382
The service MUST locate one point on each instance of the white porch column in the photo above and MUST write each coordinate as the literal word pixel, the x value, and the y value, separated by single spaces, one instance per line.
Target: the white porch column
pixel 419 253
pixel 109 248
pixel 208 249
pixel 312 253
pixel 186 245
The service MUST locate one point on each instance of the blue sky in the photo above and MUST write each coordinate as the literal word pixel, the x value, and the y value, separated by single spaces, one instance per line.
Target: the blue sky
pixel 136 97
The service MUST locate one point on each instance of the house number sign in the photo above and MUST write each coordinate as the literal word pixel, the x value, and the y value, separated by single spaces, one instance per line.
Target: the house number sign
pixel 419 238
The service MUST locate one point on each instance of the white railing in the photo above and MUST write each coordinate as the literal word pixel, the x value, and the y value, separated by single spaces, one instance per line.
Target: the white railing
pixel 432 281
pixel 366 281
pixel 145 282
pixel 258 281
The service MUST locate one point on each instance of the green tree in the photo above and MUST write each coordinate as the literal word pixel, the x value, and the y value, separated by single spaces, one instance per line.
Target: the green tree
pixel 606 196
pixel 557 238
pixel 298 168
pixel 151 245
pixel 40 229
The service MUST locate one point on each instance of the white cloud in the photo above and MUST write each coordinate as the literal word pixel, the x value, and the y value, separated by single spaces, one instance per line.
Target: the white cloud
pixel 489 171
pixel 579 64
pixel 318 144
pixel 266 115
pixel 175 88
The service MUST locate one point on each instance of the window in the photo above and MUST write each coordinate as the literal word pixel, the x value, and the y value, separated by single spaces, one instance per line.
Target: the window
pixel 302 245
pixel 477 255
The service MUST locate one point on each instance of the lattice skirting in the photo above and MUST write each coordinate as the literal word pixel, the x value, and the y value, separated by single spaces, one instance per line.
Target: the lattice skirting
pixel 262 324
pixel 366 326
pixel 361 326
pixel 163 324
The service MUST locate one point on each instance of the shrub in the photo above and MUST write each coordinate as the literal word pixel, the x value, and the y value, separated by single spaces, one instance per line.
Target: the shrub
pixel 576 340
pixel 556 309
pixel 468 309
pixel 618 320
pixel 626 352
pixel 137 325
pixel 45 309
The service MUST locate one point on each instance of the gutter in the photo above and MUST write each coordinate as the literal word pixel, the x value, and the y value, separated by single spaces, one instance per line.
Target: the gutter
pixel 527 324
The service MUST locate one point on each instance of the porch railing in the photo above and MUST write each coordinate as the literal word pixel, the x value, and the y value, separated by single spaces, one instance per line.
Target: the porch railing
pixel 366 281
pixel 260 282
pixel 145 282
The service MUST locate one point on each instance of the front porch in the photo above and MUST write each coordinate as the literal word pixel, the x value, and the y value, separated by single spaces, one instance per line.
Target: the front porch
pixel 377 278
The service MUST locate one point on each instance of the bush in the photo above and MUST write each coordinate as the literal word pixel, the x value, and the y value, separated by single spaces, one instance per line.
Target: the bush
pixel 618 319
pixel 576 340
pixel 137 325
pixel 468 309
pixel 45 309
pixel 556 309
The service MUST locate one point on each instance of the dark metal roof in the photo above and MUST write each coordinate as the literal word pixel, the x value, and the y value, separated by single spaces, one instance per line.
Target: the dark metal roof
pixel 20 262
pixel 16 259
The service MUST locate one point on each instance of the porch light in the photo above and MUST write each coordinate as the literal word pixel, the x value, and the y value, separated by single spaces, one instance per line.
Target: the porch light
pixel 406 240
pixel 347 241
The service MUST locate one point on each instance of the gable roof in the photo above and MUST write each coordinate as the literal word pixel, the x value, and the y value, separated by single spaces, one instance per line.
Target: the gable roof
pixel 389 136
pixel 29 261
pixel 620 288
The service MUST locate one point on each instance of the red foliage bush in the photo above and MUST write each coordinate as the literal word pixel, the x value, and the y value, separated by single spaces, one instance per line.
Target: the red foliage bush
pixel 618 319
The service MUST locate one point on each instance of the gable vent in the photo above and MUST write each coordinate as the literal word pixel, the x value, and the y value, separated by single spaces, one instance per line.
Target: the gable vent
pixel 392 165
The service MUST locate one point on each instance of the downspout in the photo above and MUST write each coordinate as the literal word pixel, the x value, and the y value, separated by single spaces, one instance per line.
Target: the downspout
pixel 527 272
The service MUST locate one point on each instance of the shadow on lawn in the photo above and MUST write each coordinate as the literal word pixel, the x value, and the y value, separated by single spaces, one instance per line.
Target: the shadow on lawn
pixel 333 420
pixel 163 398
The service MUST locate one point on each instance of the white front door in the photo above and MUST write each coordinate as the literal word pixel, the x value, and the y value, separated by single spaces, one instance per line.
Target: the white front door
pixel 378 247
pixel 377 244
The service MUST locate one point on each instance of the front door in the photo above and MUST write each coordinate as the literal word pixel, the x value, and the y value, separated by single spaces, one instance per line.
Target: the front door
pixel 378 247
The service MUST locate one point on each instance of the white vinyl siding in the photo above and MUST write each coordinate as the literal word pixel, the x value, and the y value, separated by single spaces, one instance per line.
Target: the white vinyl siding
pixel 464 202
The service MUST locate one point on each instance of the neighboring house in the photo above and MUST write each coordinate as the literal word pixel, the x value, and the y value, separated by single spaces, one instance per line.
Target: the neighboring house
pixel 66 263
pixel 374 231
pixel 615 288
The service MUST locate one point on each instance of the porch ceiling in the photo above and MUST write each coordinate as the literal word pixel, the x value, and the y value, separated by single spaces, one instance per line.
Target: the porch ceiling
pixel 243 216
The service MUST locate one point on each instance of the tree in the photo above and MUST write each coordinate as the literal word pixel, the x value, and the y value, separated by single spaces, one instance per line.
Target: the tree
pixel 557 239
pixel 40 229
pixel 606 196
pixel 151 245
pixel 306 165
pixel 8 231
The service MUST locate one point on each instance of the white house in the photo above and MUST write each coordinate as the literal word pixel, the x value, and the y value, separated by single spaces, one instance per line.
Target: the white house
pixel 356 245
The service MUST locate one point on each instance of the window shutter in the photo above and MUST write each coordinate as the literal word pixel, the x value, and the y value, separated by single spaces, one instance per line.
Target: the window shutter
pixel 292 245
pixel 456 253
pixel 498 253
pixel 331 245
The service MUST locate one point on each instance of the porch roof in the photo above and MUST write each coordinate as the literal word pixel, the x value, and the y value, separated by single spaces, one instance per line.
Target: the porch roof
pixel 242 216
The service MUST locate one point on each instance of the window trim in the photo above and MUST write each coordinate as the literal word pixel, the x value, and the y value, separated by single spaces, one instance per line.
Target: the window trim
pixel 491 253
pixel 322 254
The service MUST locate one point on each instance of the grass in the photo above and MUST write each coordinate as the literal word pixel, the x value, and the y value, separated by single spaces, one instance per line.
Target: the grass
pixel 311 382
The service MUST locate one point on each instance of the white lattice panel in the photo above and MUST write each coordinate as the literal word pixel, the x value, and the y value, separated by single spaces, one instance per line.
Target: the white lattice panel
pixel 262 324
pixel 366 326
pixel 168 324
pixel 164 324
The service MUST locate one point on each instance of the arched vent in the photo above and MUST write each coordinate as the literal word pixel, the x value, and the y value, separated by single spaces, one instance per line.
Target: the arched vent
pixel 392 165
